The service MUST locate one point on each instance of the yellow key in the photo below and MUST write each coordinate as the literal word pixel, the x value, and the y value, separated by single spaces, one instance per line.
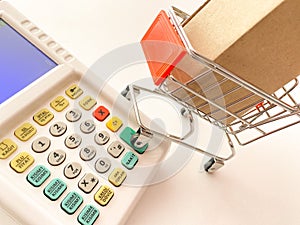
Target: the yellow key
pixel 117 177
pixel 87 103
pixel 7 147
pixel 25 132
pixel 21 162
pixel 43 117
pixel 114 124
pixel 104 195
pixel 59 104
pixel 74 91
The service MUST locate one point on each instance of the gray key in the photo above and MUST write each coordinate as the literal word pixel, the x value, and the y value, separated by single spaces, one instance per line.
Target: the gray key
pixel 72 170
pixel 73 141
pixel 41 144
pixel 88 183
pixel 88 153
pixel 102 165
pixel 102 138
pixel 56 157
pixel 115 149
pixel 58 129
pixel 87 126
pixel 73 115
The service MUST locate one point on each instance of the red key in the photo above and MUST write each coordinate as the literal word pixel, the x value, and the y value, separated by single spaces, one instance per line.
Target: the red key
pixel 101 113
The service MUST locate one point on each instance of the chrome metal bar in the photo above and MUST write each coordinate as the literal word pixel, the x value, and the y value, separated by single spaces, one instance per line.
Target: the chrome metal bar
pixel 179 140
pixel 209 101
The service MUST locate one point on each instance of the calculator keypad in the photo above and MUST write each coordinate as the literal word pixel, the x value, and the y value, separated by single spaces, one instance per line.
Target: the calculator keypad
pixel 101 153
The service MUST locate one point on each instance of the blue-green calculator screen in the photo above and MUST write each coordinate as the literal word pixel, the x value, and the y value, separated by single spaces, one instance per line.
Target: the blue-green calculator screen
pixel 21 62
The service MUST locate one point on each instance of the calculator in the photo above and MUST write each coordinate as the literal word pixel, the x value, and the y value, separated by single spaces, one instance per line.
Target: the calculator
pixel 66 155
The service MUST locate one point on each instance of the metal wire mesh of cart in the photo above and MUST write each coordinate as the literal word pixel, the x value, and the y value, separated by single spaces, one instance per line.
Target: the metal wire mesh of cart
pixel 261 113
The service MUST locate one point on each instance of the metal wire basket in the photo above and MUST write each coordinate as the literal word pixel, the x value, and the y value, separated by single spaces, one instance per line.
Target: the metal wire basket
pixel 269 114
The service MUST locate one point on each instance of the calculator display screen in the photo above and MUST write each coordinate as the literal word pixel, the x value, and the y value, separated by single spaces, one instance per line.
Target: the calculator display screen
pixel 21 62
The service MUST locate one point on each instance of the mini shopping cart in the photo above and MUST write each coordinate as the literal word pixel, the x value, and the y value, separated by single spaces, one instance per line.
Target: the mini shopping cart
pixel 269 114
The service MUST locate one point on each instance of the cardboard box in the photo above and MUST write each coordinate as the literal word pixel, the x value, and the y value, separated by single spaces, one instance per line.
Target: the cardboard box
pixel 256 40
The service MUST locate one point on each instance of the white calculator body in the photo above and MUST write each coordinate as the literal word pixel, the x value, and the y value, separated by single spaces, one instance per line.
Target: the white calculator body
pixel 64 151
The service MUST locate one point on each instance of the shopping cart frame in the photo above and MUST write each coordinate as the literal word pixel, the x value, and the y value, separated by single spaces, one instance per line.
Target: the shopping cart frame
pixel 258 115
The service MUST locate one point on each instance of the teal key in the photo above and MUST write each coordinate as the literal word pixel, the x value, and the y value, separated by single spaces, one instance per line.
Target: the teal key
pixel 38 176
pixel 55 189
pixel 88 215
pixel 71 202
pixel 129 160
pixel 126 135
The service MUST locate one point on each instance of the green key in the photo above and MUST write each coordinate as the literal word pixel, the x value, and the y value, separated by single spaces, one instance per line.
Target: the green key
pixel 55 189
pixel 38 176
pixel 129 160
pixel 88 215
pixel 71 203
pixel 126 135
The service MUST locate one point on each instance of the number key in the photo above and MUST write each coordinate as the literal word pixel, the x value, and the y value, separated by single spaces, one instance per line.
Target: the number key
pixel 56 157
pixel 87 126
pixel 102 165
pixel 41 144
pixel 58 129
pixel 102 138
pixel 72 170
pixel 73 115
pixel 88 153
pixel 73 141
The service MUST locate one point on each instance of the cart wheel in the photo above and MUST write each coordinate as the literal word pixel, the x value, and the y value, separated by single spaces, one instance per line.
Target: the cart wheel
pixel 213 165
pixel 125 93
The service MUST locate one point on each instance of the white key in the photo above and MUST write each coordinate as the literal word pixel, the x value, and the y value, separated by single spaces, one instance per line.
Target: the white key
pixel 102 138
pixel 87 126
pixel 73 115
pixel 72 170
pixel 41 144
pixel 88 183
pixel 102 165
pixel 56 157
pixel 115 149
pixel 73 141
pixel 58 129
pixel 88 153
